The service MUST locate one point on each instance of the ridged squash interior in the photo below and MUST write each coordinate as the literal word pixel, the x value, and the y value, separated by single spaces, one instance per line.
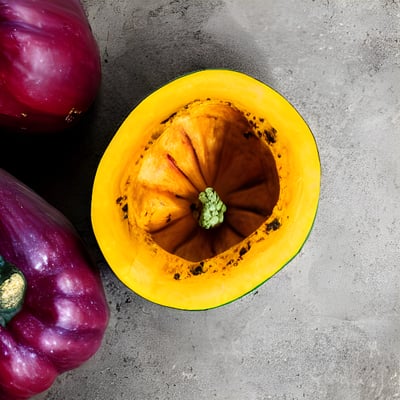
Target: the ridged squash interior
pixel 213 128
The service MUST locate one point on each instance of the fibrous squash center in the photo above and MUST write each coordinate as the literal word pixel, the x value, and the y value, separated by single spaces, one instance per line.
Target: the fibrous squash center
pixel 207 144
pixel 212 210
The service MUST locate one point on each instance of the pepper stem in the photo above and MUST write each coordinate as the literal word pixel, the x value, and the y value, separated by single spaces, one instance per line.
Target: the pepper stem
pixel 213 209
pixel 12 291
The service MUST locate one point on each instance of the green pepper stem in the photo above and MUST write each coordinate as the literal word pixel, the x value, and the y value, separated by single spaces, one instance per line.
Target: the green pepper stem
pixel 212 210
pixel 12 291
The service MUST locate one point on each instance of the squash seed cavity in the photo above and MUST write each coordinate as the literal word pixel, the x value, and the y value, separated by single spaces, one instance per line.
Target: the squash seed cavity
pixel 207 144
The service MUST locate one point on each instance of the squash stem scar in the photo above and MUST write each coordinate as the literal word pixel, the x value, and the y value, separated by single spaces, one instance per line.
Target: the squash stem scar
pixel 212 210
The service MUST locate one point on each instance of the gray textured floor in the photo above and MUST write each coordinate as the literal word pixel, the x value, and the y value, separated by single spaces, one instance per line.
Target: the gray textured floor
pixel 328 325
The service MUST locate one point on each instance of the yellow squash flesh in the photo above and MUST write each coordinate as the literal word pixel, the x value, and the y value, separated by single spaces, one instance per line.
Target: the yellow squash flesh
pixel 219 129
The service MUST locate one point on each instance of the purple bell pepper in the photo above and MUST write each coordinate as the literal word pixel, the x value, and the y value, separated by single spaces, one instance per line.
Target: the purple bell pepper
pixel 53 308
pixel 49 65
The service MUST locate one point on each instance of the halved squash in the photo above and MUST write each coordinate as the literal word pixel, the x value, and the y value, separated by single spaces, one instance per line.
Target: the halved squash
pixel 208 188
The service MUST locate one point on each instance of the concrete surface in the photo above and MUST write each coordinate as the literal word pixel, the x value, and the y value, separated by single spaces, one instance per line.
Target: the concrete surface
pixel 328 325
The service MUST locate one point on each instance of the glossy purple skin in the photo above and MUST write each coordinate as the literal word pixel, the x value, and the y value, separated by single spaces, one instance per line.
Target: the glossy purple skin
pixel 49 65
pixel 65 312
